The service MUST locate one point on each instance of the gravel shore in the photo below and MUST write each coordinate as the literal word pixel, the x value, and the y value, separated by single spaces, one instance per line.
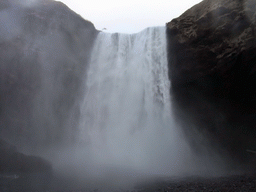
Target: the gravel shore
pixel 231 183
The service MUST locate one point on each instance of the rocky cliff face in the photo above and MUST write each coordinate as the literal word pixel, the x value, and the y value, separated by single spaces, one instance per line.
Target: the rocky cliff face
pixel 212 62
pixel 44 50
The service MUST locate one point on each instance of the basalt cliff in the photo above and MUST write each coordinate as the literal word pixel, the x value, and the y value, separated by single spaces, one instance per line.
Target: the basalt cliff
pixel 44 51
pixel 212 62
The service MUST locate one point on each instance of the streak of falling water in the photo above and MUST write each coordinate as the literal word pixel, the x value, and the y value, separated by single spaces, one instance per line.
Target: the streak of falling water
pixel 126 113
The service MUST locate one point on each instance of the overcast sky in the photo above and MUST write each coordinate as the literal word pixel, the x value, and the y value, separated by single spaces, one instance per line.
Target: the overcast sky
pixel 129 16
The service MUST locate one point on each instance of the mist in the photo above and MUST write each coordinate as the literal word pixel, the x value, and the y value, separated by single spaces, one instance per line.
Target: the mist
pixel 96 105
pixel 127 132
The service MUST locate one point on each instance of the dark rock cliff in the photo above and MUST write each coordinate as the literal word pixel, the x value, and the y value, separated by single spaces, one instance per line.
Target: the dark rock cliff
pixel 44 51
pixel 212 62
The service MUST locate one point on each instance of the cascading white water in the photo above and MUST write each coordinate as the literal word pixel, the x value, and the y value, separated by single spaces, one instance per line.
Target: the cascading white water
pixel 126 116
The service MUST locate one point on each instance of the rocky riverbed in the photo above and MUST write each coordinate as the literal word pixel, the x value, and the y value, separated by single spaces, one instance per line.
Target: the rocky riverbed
pixel 230 183
pixel 225 183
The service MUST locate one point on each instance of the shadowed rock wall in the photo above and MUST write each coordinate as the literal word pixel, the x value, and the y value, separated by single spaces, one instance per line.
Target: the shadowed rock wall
pixel 212 62
pixel 44 51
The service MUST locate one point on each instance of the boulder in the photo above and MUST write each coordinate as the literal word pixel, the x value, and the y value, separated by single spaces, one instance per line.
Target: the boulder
pixel 19 172
pixel 12 161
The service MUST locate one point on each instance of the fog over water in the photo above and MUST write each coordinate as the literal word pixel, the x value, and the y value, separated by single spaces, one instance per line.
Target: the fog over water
pixel 127 131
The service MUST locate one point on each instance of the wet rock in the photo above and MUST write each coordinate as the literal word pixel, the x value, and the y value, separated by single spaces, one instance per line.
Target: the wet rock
pixel 212 62
pixel 12 161
pixel 225 183
pixel 44 51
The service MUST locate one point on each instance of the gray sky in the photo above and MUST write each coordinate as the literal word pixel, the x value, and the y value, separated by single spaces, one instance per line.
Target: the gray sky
pixel 129 16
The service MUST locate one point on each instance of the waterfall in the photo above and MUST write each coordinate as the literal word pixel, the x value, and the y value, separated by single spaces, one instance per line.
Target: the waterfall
pixel 126 118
